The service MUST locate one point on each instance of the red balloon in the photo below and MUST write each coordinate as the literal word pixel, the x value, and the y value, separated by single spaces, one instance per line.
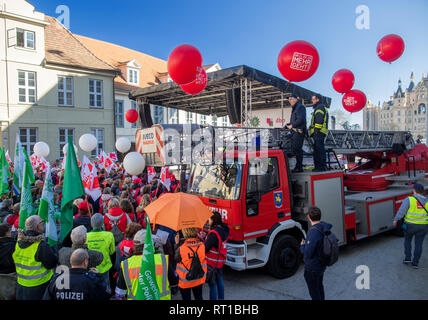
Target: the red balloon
pixel 131 115
pixel 390 48
pixel 198 85
pixel 298 61
pixel 354 101
pixel 183 62
pixel 343 80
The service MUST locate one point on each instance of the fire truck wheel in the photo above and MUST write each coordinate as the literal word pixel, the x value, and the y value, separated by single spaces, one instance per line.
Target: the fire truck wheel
pixel 284 258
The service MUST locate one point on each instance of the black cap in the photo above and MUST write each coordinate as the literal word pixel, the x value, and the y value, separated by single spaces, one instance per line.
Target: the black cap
pixel 418 188
pixel 293 96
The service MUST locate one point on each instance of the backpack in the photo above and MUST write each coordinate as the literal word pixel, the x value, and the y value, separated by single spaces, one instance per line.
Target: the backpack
pixel 117 233
pixel 195 271
pixel 330 248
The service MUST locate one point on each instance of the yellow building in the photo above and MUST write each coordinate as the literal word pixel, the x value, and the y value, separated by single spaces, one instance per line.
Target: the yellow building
pixel 53 87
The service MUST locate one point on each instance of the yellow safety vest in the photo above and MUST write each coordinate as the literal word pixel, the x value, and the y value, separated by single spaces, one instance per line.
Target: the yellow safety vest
pixel 102 241
pixel 416 214
pixel 131 271
pixel 31 273
pixel 322 127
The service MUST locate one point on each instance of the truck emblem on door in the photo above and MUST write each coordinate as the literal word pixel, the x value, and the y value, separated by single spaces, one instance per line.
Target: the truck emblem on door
pixel 277 196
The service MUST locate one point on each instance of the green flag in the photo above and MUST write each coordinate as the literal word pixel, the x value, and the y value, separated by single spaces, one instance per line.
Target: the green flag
pixel 29 166
pixel 47 209
pixel 26 207
pixel 18 166
pixel 4 173
pixel 147 285
pixel 72 189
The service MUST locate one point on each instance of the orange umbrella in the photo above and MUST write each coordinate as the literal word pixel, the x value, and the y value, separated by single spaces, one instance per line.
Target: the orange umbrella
pixel 178 211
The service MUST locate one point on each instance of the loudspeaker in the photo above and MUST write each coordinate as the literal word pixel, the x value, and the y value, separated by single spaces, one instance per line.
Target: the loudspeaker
pixel 145 116
pixel 233 105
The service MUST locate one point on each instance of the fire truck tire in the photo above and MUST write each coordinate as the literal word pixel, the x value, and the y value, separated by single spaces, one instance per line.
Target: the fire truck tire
pixel 284 258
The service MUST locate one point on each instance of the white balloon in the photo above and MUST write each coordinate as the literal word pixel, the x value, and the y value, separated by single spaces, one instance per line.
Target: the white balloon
pixel 123 145
pixel 134 163
pixel 64 149
pixel 88 142
pixel 41 149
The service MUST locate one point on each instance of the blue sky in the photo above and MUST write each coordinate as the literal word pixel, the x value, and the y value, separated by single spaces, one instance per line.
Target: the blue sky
pixel 250 32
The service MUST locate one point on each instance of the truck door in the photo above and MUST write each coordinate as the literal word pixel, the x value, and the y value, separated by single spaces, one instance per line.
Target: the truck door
pixel 264 198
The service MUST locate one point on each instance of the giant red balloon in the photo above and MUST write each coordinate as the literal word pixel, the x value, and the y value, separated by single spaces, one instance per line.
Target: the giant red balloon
pixel 343 80
pixel 183 62
pixel 354 101
pixel 298 61
pixel 131 115
pixel 198 85
pixel 390 48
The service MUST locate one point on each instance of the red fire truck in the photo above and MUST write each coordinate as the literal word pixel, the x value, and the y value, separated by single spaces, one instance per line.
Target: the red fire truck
pixel 266 213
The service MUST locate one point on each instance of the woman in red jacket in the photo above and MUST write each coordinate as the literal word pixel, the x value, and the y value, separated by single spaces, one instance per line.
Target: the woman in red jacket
pixel 115 216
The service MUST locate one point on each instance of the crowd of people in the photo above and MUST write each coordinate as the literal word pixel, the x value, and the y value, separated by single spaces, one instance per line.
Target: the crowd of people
pixel 101 257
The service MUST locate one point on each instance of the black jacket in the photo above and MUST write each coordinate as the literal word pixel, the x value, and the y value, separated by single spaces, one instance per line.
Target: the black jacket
pixel 44 253
pixel 319 116
pixel 298 116
pixel 212 240
pixel 4 213
pixel 312 248
pixel 7 248
pixel 84 285
pixel 83 220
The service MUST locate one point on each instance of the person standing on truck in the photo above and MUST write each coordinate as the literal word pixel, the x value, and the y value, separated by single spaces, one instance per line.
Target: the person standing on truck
pixel 311 249
pixel 298 126
pixel 318 131
pixel 414 210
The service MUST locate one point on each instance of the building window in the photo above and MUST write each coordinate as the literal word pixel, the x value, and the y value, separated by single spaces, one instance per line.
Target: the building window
pixel 95 93
pixel 398 113
pixel 173 115
pixel 189 117
pixel 119 114
pixel 203 119
pixel 27 86
pixel 65 91
pixel 25 39
pixel 28 138
pixel 214 120
pixel 133 76
pixel 64 133
pixel 158 113
pixel 99 134
pixel 134 106
pixel 224 121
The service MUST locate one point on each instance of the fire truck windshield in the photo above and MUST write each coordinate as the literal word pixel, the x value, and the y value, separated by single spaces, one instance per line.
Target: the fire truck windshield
pixel 216 181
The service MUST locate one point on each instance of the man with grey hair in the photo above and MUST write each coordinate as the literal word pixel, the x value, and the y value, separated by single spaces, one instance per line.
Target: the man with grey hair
pixel 34 260
pixel 78 239
pixel 78 283
pixel 102 241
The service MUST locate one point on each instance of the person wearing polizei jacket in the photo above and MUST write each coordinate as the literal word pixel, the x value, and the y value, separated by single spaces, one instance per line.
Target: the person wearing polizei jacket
pixel 298 126
pixel 82 284
pixel 318 131
pixel 413 210
pixel 311 249
pixel 216 238
pixel 34 261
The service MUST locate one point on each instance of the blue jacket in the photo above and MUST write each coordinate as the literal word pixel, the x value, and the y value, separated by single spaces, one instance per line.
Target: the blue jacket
pixel 312 248
pixel 298 116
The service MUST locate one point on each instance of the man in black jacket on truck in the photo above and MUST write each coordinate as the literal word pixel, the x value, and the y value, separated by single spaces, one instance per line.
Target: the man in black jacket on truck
pixel 297 125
